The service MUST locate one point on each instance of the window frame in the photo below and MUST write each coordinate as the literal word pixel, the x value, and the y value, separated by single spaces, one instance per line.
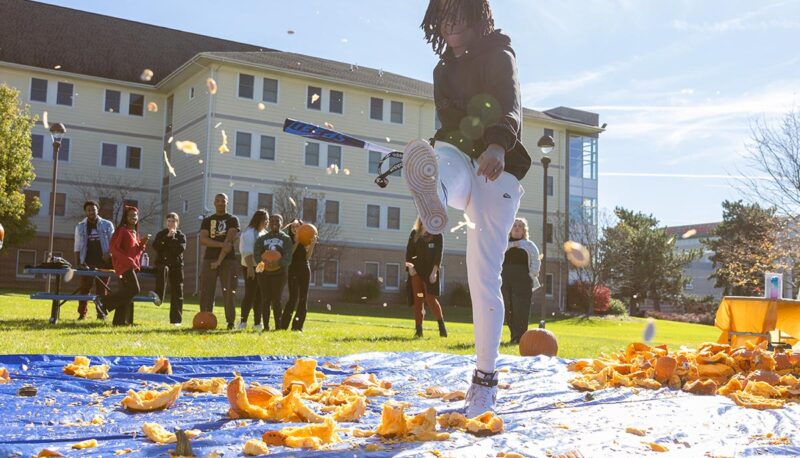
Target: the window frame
pixel 386 285
pixel 71 94
pixel 236 145
pixel 46 89
pixel 105 102
pixel 383 107
pixel 402 112
pixel 116 154
pixel 239 86
pixel 127 157
pixel 130 104
pixel 338 211
pixel 246 202
pixel 277 90
pixel 330 285
pixel 17 270
pixel 274 147
pixel 399 218
pixel 366 216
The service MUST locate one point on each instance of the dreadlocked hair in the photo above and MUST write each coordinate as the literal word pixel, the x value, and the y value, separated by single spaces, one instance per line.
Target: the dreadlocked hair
pixel 476 13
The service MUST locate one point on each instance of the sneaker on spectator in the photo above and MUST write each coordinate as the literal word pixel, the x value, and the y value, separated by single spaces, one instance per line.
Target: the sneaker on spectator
pixel 242 325
pixel 156 297
pixel 258 327
pixel 231 326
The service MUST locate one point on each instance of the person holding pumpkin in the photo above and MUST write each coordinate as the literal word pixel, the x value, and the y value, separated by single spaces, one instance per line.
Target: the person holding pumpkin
pixel 274 251
pixel 423 261
pixel 299 278
pixel 520 278
pixel 252 296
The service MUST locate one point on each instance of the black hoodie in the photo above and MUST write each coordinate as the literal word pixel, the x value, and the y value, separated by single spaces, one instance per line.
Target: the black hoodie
pixel 478 101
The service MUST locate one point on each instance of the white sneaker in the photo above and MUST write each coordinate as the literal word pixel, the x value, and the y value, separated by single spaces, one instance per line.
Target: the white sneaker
pixel 242 325
pixel 421 170
pixel 482 394
pixel 258 327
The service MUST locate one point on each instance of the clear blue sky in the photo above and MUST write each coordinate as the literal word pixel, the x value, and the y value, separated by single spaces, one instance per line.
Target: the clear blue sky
pixel 679 82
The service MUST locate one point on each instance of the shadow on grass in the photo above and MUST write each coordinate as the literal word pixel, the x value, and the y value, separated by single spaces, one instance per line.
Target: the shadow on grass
pixel 375 339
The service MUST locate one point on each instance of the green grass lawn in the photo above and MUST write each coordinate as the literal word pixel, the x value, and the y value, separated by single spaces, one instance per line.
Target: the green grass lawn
pixel 345 329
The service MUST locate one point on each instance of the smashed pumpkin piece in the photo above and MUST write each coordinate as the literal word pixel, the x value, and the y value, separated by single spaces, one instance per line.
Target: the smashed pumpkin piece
pixel 395 424
pixel 89 443
pixel 310 436
pixel 351 411
pixel 422 427
pixel 377 391
pixel 365 381
pixel 303 372
pixel 440 392
pixel 262 395
pixel 255 447
pixel 149 400
pixel 4 376
pixel 635 431
pixel 393 420
pixel 762 389
pixel 80 368
pixel 656 447
pixel 701 387
pixel 158 434
pixel 161 366
pixel 47 452
pixel 748 400
pixel 289 408
pixel 214 385
pixel 486 424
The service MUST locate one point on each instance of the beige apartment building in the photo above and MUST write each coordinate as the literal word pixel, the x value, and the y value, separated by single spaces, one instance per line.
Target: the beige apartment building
pixel 88 76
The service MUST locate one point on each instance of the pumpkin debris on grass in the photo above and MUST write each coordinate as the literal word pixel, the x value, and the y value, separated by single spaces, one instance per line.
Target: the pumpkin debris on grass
pixel 149 400
pixel 161 366
pixel 80 368
pixel 751 376
pixel 158 434
pixel 214 385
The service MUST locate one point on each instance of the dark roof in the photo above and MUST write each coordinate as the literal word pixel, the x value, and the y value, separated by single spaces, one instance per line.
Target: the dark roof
pixel 42 35
pixel 703 230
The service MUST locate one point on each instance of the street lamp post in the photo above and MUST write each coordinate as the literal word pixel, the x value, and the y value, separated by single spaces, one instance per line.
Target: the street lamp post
pixel 57 132
pixel 546 145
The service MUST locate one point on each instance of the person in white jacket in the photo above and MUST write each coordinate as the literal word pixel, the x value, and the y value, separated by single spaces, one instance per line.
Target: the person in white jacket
pixel 520 278
pixel 252 296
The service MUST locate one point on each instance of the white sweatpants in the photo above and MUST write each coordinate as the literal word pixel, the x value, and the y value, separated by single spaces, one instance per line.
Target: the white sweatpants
pixel 492 206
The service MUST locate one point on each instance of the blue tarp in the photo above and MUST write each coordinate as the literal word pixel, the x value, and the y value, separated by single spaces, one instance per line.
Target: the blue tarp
pixel 542 414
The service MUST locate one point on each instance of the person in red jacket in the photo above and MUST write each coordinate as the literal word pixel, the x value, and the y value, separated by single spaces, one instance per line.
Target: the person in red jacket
pixel 126 250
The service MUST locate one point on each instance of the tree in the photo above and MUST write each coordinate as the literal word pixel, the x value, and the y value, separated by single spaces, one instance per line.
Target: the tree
pixel 583 229
pixel 16 168
pixel 746 246
pixel 774 151
pixel 639 260
pixel 289 202
pixel 112 193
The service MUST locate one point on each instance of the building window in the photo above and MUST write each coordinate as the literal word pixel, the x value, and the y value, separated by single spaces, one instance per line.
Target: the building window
pixel 106 210
pixel 113 101
pixel 548 289
pixel 109 155
pixel 312 154
pixel 37 146
pixel 31 196
pixel 243 142
pixel 376 108
pixel 393 218
pixel 549 233
pixel 332 211
pixel 314 100
pixel 185 206
pixel 136 105
pixel 133 159
pixel 240 199
pixel 64 94
pixel 373 216
pixel 63 150
pixel 270 91
pixel 583 157
pixel 550 185
pixel 310 209
pixel 60 204
pixel 246 85
pixel 335 156
pixel 265 201
pixel 392 280
pixel 38 90
pixel 25 258
pixel 267 148
pixel 336 102
pixel 397 112
pixel 372 268
pixel 330 273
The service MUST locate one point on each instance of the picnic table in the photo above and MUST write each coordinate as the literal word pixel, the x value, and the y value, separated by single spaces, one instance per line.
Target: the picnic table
pixel 752 319
pixel 59 298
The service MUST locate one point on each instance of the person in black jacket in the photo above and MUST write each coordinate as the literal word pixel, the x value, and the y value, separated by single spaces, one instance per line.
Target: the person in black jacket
pixel 271 274
pixel 299 279
pixel 475 164
pixel 170 243
pixel 423 261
